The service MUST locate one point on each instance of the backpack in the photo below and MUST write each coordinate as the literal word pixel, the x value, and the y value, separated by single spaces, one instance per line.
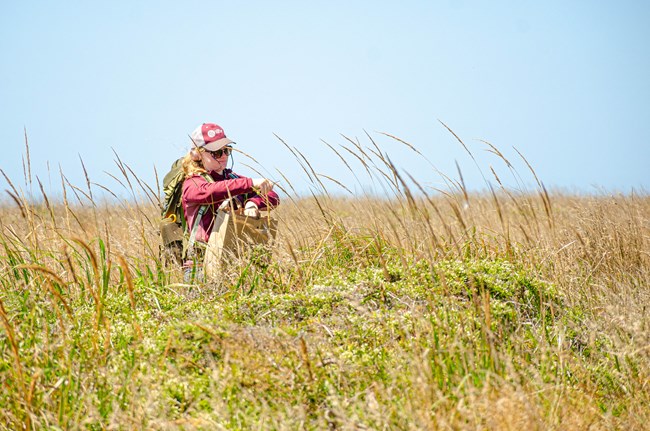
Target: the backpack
pixel 173 189
pixel 173 224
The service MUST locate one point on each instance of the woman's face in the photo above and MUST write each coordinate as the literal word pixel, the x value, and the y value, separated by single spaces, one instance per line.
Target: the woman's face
pixel 215 160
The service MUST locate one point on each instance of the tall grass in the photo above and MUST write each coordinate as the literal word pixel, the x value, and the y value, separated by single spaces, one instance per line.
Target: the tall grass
pixel 421 309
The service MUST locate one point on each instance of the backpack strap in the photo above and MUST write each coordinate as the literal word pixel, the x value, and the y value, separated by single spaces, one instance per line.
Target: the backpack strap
pixel 188 248
pixel 195 227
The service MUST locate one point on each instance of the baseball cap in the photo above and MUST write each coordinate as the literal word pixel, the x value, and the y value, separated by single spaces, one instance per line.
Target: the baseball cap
pixel 210 136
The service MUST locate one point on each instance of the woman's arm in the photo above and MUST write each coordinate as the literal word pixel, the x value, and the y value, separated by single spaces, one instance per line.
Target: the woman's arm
pixel 261 201
pixel 197 190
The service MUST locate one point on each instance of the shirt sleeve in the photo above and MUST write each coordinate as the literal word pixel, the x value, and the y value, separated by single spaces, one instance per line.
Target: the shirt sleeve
pixel 269 201
pixel 198 191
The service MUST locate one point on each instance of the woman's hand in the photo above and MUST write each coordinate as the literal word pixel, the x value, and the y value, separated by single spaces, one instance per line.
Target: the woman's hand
pixel 251 210
pixel 262 186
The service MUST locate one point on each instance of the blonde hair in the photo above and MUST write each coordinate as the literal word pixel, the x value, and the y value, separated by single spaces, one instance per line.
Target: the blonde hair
pixel 192 163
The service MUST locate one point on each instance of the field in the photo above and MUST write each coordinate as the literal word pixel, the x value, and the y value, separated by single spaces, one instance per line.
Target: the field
pixel 422 309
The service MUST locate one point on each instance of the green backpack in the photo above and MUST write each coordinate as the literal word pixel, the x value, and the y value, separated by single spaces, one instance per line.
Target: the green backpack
pixel 173 224
pixel 173 189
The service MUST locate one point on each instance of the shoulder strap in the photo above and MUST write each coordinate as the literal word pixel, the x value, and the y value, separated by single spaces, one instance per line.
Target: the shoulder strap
pixel 195 227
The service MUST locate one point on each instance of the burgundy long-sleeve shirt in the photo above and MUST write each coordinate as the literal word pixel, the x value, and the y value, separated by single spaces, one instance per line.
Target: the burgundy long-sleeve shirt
pixel 198 191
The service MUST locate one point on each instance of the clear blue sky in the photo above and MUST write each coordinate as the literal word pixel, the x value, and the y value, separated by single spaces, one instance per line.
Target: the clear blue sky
pixel 566 83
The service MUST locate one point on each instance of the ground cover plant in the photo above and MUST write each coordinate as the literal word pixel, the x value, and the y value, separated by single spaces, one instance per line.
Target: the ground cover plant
pixel 511 308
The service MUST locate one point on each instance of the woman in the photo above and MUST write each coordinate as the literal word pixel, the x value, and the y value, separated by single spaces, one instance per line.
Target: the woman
pixel 208 183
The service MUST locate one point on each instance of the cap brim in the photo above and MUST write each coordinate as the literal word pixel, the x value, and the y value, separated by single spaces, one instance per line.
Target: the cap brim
pixel 216 145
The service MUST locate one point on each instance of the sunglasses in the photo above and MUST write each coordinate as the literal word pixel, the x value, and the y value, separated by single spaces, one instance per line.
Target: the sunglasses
pixel 217 154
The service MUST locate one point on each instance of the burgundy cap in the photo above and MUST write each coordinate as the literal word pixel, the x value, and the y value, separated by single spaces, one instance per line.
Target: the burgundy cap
pixel 210 136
